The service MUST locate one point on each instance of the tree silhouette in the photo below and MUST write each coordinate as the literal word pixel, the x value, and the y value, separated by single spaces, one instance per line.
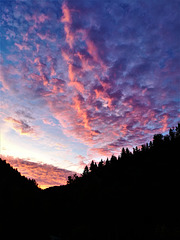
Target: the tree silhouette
pixel 101 164
pixel 158 139
pixel 178 131
pixel 123 153
pixel 70 180
pixel 172 134
pixel 86 171
pixel 107 162
pixel 113 159
pixel 93 166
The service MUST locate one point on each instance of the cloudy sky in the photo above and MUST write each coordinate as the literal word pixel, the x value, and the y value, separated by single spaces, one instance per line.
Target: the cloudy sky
pixel 81 79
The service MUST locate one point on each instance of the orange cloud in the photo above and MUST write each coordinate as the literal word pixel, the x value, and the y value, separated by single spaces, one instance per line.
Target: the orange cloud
pixel 101 94
pixel 72 76
pixel 164 123
pixel 73 73
pixel 21 126
pixel 69 35
pixel 46 175
pixel 67 20
pixel 82 113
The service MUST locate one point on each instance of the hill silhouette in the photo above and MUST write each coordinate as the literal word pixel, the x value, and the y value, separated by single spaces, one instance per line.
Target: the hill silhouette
pixel 132 196
pixel 18 204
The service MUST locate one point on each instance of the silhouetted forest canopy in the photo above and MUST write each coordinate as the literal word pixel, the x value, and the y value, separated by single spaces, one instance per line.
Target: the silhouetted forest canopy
pixel 155 147
pixel 131 196
pixel 9 177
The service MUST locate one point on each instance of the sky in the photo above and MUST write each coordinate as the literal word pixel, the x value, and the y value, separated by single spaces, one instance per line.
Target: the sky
pixel 80 79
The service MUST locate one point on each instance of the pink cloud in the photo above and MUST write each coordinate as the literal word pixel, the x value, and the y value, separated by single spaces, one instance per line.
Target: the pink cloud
pixel 42 18
pixel 99 152
pixel 22 46
pixel 73 72
pixel 42 36
pixel 74 119
pixel 70 37
pixel 67 20
pixel 41 68
pixel 46 36
pixel 86 64
pixel 101 94
pixel 57 85
pixel 48 122
pixel 78 85
pixel 66 56
pixel 93 51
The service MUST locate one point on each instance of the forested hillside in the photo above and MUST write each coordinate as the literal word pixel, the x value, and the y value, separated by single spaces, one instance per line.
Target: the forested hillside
pixel 132 196
pixel 10 178
pixel 18 204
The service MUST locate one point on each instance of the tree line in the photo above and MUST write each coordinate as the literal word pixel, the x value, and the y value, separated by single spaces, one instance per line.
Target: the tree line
pixel 159 141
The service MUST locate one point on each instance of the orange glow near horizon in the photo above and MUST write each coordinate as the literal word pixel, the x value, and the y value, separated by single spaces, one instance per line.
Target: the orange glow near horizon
pixel 45 175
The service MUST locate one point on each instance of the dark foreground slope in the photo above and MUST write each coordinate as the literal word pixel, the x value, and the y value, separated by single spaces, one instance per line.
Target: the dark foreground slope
pixel 133 197
pixel 19 200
